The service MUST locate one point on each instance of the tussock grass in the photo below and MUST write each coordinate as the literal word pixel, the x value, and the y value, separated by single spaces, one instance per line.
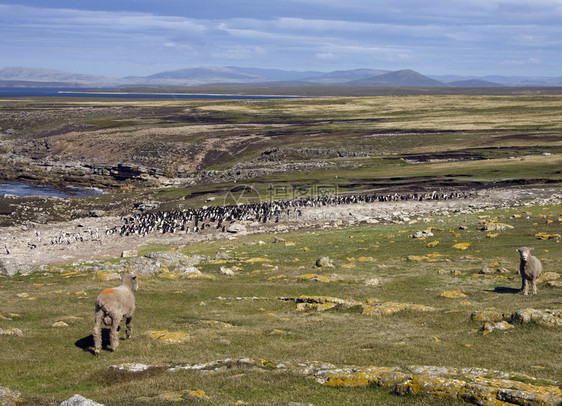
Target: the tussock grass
pixel 49 364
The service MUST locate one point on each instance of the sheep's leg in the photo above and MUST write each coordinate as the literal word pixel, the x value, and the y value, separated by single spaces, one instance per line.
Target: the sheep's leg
pixel 129 330
pixel 524 286
pixel 114 334
pixel 534 283
pixel 97 332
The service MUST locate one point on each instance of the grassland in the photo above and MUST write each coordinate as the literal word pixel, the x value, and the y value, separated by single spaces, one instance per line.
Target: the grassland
pixel 195 149
pixel 49 364
pixel 361 140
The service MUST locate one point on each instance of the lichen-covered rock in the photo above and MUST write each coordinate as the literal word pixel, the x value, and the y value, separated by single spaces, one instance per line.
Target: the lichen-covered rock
pixel 491 316
pixel 320 278
pixel 389 308
pixel 495 226
pixel 352 376
pixel 548 276
pixel 321 303
pixel 176 396
pixel 500 325
pixel 189 272
pixel 11 332
pixel 10 397
pixel 452 294
pixel 106 276
pixel 474 385
pixel 547 317
pixel 546 236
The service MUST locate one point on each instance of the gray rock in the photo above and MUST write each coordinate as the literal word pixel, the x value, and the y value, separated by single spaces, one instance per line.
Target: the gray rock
pixel 8 267
pixel 485 270
pixel 78 400
pixel 129 253
pixel 325 262
pixel 423 234
pixel 193 260
pixel 236 228
pixel 144 266
pixel 222 256
pixel 166 258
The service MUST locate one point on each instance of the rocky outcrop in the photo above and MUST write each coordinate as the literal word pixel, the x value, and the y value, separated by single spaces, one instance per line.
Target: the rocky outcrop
pixel 473 385
pixel 11 267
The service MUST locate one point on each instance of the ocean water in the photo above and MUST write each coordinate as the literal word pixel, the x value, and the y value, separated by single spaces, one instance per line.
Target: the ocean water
pixel 23 189
pixel 74 92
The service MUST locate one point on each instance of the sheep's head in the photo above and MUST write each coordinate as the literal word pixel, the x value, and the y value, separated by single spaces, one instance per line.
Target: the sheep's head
pixel 524 252
pixel 130 280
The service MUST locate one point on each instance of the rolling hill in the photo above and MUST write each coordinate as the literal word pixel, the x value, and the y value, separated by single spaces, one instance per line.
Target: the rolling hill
pixel 245 76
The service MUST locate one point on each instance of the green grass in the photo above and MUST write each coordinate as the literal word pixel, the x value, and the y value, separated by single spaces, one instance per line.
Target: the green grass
pixel 50 364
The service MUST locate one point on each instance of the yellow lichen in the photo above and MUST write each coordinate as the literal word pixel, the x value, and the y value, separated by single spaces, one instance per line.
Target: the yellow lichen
pixel 388 308
pixel 461 245
pixel 452 294
pixel 546 236
pixel 166 336
pixel 254 260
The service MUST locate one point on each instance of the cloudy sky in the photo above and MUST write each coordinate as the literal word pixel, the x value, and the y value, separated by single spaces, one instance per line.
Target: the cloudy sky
pixel 141 37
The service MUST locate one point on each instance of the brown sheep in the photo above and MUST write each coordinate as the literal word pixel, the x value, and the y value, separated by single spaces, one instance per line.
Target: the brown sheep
pixel 112 305
pixel 530 269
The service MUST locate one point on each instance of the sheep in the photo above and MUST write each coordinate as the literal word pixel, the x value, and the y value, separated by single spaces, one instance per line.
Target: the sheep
pixel 530 268
pixel 112 305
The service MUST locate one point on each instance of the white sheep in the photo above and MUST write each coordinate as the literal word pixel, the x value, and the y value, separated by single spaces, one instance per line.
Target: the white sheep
pixel 530 268
pixel 112 305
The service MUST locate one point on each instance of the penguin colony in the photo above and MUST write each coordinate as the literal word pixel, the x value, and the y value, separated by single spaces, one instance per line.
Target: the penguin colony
pixel 221 217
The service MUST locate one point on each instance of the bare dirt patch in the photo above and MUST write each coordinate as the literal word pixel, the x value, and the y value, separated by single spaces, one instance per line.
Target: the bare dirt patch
pixel 86 238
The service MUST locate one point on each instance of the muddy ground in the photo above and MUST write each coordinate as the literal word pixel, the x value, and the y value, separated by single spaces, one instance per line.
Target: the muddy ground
pixel 84 239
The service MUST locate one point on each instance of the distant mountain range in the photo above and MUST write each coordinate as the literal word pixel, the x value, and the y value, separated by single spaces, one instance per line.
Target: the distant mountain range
pixel 231 75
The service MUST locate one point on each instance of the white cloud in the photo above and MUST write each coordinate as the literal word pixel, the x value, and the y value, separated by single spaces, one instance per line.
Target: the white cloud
pixel 326 56
pixel 327 33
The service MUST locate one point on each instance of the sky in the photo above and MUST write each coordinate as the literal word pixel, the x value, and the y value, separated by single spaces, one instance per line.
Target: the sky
pixel 119 38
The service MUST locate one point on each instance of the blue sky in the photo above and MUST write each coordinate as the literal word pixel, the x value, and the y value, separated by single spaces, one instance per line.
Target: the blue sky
pixel 141 37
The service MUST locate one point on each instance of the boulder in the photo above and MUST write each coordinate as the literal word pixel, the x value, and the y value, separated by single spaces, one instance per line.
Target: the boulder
pixel 166 258
pixel 235 228
pixel 8 267
pixel 78 400
pixel 144 266
pixel 423 234
pixel 129 253
pixel 324 262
